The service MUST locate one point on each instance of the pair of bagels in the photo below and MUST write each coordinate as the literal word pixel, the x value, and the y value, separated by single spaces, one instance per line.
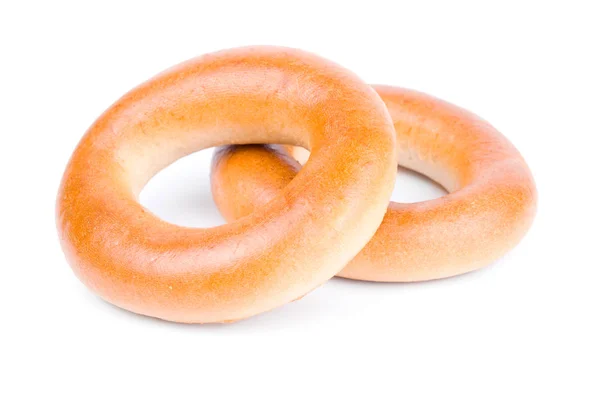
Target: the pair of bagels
pixel 292 233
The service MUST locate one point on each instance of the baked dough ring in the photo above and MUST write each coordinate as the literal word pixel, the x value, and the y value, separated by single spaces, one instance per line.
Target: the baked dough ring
pixel 306 234
pixel 491 203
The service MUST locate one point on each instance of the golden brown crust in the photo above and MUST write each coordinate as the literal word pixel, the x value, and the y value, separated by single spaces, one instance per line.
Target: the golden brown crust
pixel 306 234
pixel 490 207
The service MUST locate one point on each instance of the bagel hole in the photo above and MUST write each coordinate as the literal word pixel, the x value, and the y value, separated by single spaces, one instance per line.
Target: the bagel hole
pixel 413 187
pixel 180 193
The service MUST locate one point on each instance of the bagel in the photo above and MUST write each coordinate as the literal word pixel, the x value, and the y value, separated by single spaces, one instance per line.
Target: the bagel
pixel 304 236
pixel 490 205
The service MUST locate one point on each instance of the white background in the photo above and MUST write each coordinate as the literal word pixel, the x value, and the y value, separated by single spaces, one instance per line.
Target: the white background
pixel 524 326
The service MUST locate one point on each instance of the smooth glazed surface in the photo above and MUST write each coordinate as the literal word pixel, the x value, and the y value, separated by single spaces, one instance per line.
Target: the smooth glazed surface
pixel 303 237
pixel 490 206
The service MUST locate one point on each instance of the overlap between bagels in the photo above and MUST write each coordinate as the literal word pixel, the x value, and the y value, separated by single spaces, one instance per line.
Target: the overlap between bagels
pixel 490 206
